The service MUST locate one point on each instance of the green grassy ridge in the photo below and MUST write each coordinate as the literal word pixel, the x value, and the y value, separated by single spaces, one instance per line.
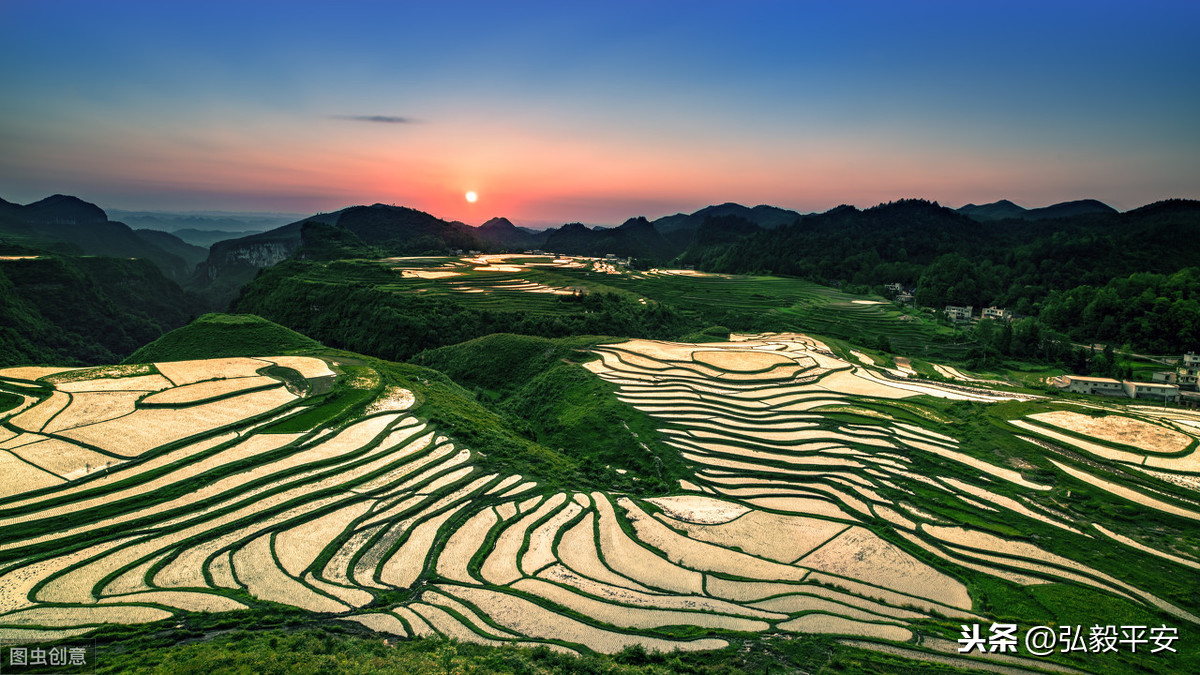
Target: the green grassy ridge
pixel 500 360
pixel 536 383
pixel 456 413
pixel 9 401
pixel 361 310
pixel 223 335
pixel 753 303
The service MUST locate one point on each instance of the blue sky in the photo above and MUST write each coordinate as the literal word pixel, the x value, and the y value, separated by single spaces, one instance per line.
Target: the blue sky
pixel 556 111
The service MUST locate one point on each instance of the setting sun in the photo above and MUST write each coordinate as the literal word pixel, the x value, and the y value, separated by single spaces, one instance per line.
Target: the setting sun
pixel 471 197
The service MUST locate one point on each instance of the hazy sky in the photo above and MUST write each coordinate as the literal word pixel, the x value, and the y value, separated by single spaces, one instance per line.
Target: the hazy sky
pixel 554 112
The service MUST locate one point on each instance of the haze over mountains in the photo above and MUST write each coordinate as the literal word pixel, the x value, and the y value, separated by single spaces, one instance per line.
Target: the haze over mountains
pixel 203 228
pixel 69 224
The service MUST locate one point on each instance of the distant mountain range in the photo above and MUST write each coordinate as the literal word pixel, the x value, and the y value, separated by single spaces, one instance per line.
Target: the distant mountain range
pixel 396 230
pixel 76 288
pixel 73 225
pixel 951 259
pixel 70 225
pixel 99 277
pixel 766 217
pixel 1005 209
pixel 169 221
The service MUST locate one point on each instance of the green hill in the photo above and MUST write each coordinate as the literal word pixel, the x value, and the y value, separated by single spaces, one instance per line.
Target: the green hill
pixel 538 386
pixel 223 335
pixel 70 310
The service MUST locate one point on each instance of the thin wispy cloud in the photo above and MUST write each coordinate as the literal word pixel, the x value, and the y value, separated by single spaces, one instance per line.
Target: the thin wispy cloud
pixel 379 119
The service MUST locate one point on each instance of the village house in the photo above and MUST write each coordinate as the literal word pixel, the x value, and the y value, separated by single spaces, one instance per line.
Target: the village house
pixel 1188 372
pixel 959 314
pixel 1098 386
pixel 997 313
pixel 1168 393
pixel 1106 386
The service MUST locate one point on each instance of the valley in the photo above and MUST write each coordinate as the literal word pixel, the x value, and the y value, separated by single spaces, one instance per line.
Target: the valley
pixel 772 485
pixel 596 460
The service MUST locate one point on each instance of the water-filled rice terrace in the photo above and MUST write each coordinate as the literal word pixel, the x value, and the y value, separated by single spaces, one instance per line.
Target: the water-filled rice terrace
pixel 529 284
pixel 532 284
pixel 825 497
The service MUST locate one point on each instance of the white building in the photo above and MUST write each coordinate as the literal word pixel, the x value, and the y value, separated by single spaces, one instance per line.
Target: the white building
pixel 958 314
pixel 1187 374
pixel 1154 390
pixel 997 313
pixel 1102 386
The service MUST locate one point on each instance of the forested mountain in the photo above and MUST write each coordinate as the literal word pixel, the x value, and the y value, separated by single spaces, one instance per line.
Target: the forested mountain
pixel 1080 267
pixel 636 237
pixel 190 253
pixel 1005 209
pixel 766 217
pixel 71 225
pixel 394 230
pixel 67 310
pixel 501 232
pixel 1054 268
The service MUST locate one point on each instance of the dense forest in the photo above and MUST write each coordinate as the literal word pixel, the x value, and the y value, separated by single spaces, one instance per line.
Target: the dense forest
pixel 1113 277
pixel 67 310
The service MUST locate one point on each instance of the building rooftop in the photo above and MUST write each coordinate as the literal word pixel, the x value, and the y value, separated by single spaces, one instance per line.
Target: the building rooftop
pixel 1163 385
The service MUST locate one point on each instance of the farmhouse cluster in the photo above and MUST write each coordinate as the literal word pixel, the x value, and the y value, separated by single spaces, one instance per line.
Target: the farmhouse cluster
pixel 1169 386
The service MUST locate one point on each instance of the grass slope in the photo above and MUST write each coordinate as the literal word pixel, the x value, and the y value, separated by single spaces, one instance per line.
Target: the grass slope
pixel 223 335
pixel 267 649
pixel 538 386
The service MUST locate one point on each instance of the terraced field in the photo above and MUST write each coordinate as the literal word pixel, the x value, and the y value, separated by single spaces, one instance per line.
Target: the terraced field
pixel 531 283
pixel 496 282
pixel 825 498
